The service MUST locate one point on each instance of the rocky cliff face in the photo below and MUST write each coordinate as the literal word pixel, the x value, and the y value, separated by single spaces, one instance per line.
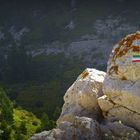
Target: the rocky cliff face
pixel 103 106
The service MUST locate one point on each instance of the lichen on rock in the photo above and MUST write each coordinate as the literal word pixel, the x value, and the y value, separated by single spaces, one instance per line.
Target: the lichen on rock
pixel 120 63
pixel 122 83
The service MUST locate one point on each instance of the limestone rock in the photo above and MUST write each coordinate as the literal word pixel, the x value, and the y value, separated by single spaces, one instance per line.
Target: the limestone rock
pixel 54 134
pixel 82 128
pixel 105 104
pixel 113 112
pixel 118 131
pixel 128 117
pixel 115 95
pixel 120 64
pixel 81 98
pixel 122 83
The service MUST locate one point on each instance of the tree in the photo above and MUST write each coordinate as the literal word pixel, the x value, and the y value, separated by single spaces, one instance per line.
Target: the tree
pixel 56 113
pixel 17 68
pixel 46 123
pixel 6 108
pixel 6 130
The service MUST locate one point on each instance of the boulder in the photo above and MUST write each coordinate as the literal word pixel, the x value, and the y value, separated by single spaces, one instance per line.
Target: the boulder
pixel 81 98
pixel 82 128
pixel 113 112
pixel 100 106
pixel 54 134
pixel 122 83
pixel 118 131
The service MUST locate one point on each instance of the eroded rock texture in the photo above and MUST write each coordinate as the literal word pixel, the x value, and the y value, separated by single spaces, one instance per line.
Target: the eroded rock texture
pixel 82 128
pixel 81 98
pixel 100 106
pixel 122 83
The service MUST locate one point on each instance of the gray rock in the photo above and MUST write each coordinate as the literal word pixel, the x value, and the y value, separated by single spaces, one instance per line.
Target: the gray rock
pixel 118 131
pixel 82 128
pixel 54 134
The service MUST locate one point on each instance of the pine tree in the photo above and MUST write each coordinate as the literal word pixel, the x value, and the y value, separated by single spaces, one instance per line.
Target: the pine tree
pixel 6 108
pixel 46 123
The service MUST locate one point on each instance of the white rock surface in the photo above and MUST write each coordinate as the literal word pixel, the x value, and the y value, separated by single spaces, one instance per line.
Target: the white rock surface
pixel 122 83
pixel 81 98
pixel 105 104
pixel 113 112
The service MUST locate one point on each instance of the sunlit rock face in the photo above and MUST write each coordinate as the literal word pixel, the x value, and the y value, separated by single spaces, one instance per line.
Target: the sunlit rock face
pixel 81 98
pixel 103 106
pixel 122 83
pixel 123 63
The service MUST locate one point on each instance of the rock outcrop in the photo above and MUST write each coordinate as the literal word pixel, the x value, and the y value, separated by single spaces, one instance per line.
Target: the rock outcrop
pixel 122 83
pixel 103 106
pixel 118 131
pixel 82 128
pixel 81 98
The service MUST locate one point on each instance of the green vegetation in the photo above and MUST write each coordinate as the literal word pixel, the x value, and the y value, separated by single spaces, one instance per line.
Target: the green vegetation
pixel 38 83
pixel 44 93
pixel 19 124
pixel 26 121
pixel 15 124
